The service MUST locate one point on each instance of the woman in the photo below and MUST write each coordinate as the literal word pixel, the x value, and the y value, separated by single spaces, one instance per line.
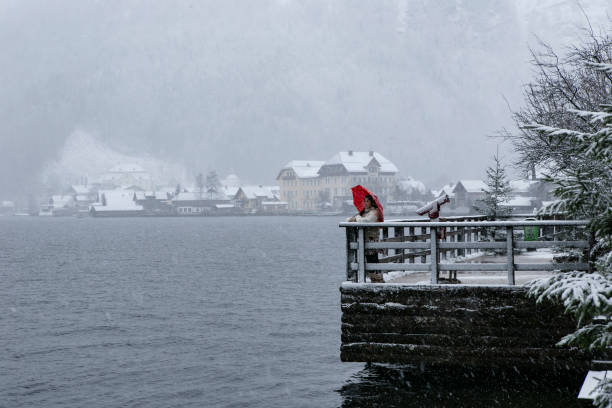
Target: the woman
pixel 370 213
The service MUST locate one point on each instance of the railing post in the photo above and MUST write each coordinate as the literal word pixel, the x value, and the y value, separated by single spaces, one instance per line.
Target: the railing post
pixel 424 257
pixel 411 239
pixel 349 272
pixel 434 255
pixel 453 238
pixel 469 239
pixel 510 254
pixel 361 255
pixel 401 233
pixel 385 235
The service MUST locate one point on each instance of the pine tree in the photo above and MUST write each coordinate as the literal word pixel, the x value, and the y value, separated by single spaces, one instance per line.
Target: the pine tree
pixel 497 192
pixel 585 191
pixel 212 184
pixel 200 184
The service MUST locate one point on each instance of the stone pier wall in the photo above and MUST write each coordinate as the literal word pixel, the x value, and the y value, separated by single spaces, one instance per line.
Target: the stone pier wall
pixel 488 326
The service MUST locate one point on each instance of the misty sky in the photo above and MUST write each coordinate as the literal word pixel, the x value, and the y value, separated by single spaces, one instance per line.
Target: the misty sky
pixel 246 86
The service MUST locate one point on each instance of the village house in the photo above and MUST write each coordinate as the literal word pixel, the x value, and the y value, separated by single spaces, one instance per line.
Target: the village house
pixel 523 188
pixel 155 202
pixel 347 169
pixel 467 192
pixel 299 184
pixel 187 203
pixel 260 199
pixel 446 190
pixel 116 203
pixel 411 189
pixel 521 205
pixel 58 206
pixel 309 185
pixel 274 207
pixel 124 175
pixel 229 191
pixel 537 188
pixel 84 196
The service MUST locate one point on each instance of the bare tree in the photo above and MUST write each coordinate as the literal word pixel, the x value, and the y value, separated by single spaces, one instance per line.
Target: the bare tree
pixel 561 86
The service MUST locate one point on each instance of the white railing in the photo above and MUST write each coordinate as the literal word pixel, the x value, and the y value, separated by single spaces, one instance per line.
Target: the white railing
pixel 422 245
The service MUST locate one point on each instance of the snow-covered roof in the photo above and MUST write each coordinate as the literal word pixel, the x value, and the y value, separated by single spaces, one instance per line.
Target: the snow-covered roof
pixel 472 186
pixel 224 205
pixel 518 202
pixel 127 168
pixel 304 168
pixel 357 162
pixel 411 185
pixel 522 186
pixel 447 189
pixel 253 192
pixel 157 195
pixel 81 189
pixel 230 191
pixel 117 200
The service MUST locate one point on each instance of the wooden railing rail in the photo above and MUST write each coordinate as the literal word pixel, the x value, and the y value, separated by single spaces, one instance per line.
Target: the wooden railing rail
pixel 435 243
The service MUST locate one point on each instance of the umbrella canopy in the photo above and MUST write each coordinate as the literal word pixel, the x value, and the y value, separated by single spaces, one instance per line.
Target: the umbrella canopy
pixel 359 193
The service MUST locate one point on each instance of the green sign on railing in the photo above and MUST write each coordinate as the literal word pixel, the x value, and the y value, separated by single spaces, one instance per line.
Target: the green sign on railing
pixel 531 233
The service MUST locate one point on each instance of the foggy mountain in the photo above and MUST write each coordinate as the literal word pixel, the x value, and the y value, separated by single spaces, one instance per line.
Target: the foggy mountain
pixel 251 85
pixel 84 158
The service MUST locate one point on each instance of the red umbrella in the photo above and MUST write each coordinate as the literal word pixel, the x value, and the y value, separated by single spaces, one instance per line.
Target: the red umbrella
pixel 359 193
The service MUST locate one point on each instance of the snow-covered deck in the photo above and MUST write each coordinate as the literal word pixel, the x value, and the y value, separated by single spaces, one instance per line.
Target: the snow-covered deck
pixel 542 256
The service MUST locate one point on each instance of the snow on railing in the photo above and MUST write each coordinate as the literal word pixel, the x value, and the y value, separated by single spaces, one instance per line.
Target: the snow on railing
pixel 409 245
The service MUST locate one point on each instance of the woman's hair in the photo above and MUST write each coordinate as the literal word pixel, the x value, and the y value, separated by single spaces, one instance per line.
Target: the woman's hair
pixel 369 197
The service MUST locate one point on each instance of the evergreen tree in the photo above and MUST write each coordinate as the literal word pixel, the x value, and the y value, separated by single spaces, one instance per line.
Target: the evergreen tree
pixel 200 184
pixel 497 192
pixel 585 190
pixel 212 184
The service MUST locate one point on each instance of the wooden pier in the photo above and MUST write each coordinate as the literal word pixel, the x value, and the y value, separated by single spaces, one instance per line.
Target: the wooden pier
pixel 456 324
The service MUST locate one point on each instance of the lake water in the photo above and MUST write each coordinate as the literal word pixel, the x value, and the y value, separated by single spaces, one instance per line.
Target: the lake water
pixel 201 312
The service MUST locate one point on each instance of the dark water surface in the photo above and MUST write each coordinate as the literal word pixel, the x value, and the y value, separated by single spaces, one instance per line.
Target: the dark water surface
pixel 199 312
